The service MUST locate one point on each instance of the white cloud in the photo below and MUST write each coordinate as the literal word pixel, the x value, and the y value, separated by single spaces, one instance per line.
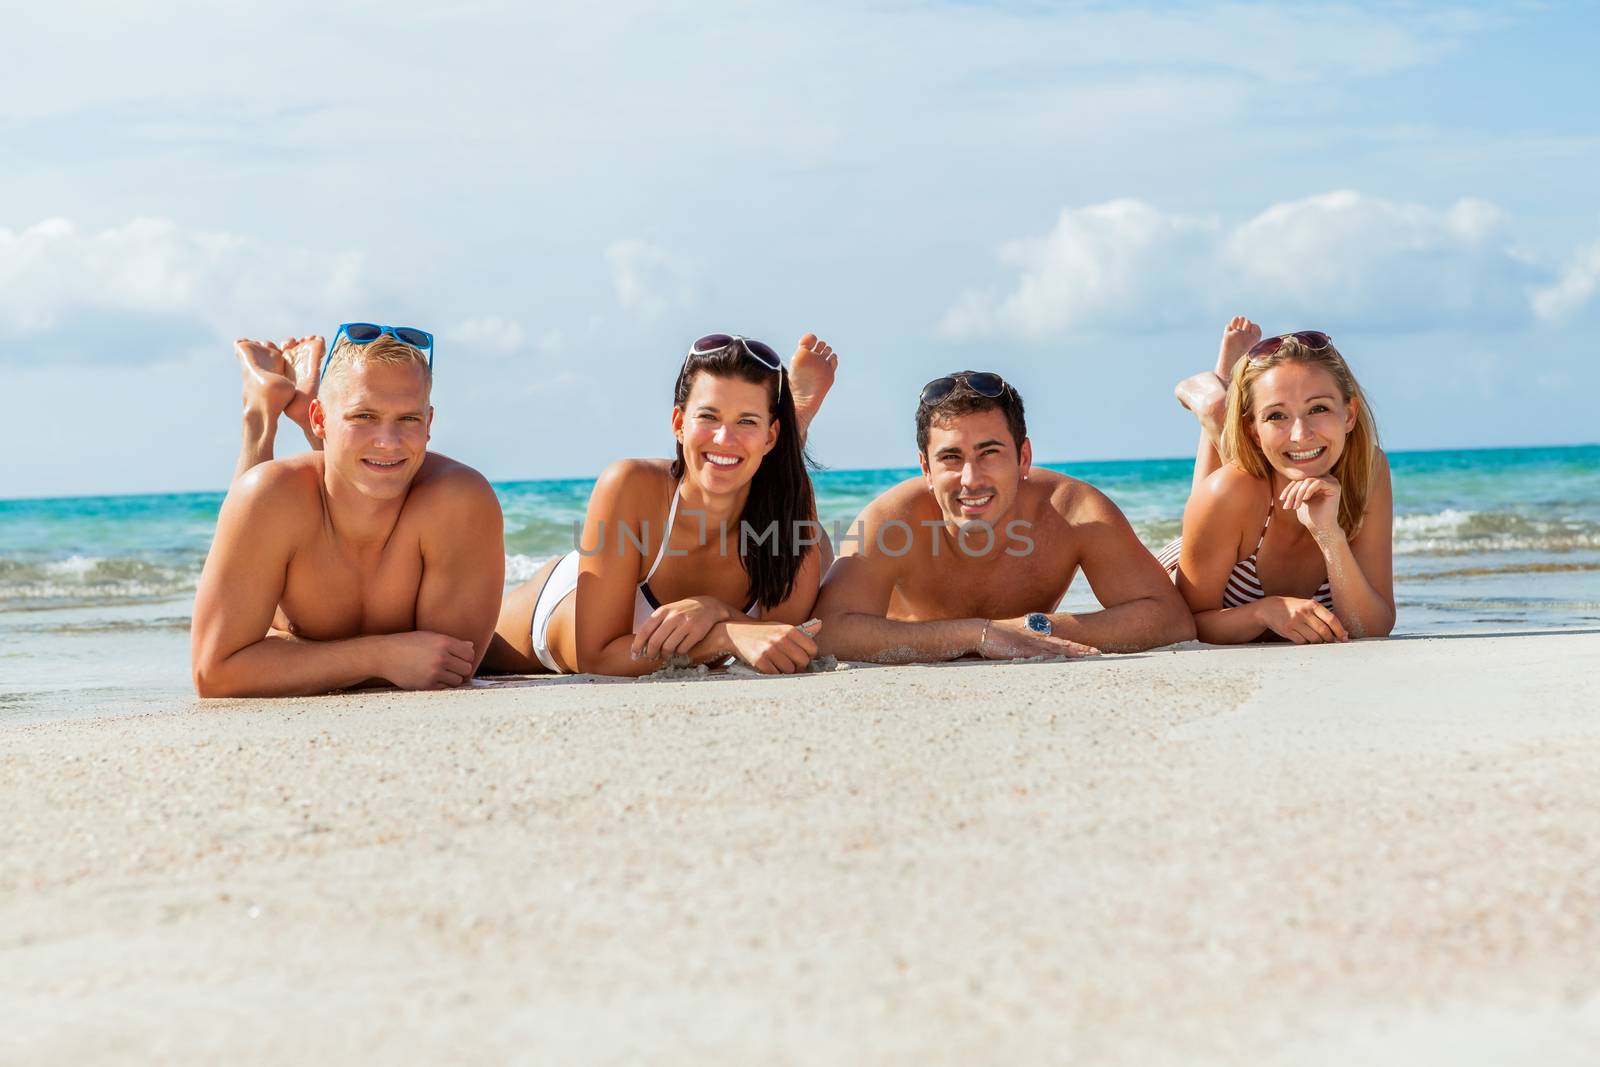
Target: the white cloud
pixel 1575 288
pixel 140 288
pixel 1093 269
pixel 1345 255
pixel 1341 256
pixel 648 279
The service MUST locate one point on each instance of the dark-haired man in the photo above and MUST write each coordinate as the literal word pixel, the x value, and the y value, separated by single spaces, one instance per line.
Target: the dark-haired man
pixel 975 555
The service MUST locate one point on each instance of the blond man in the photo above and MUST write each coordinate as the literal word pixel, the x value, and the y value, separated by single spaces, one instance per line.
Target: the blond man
pixel 368 559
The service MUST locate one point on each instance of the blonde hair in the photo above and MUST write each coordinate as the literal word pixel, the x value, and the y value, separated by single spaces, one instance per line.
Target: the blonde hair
pixel 1353 471
pixel 387 350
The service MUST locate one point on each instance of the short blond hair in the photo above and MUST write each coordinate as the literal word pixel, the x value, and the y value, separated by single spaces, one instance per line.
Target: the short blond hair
pixel 387 350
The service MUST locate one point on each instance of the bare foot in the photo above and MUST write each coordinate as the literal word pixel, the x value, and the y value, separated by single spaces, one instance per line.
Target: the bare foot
pixel 1206 393
pixel 811 373
pixel 304 357
pixel 268 386
pixel 1238 337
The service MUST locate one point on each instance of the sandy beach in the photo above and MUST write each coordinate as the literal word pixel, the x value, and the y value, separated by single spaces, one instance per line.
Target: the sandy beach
pixel 1376 853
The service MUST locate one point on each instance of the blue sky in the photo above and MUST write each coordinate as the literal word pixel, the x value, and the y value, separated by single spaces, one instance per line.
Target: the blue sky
pixel 1075 195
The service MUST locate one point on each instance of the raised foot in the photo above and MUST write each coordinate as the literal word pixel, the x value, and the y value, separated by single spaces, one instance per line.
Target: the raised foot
pixel 811 374
pixel 304 358
pixel 1206 396
pixel 268 382
pixel 1239 336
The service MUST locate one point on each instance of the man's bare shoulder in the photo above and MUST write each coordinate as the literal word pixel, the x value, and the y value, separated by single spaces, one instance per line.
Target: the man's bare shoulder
pixel 442 476
pixel 1071 499
pixel 289 487
pixel 448 495
pixel 908 501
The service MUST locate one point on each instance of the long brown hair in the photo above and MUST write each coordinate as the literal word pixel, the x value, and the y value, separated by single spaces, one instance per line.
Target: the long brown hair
pixel 1353 471
pixel 780 491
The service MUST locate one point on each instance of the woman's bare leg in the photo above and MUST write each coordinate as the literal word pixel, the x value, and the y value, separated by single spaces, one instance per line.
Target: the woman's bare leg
pixel 1206 394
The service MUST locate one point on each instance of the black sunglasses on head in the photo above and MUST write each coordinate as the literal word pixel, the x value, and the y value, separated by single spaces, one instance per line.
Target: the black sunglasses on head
pixel 984 383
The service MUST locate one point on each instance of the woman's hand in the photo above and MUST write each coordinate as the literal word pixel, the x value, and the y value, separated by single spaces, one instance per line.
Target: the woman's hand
pixel 1315 502
pixel 774 647
pixel 1305 622
pixel 673 629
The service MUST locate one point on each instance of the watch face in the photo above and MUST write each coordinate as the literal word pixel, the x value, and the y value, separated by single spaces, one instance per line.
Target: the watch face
pixel 1039 622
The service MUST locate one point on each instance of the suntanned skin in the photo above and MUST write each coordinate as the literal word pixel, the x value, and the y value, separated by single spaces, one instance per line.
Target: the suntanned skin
pixel 1296 408
pixel 703 589
pixel 369 560
pixel 938 601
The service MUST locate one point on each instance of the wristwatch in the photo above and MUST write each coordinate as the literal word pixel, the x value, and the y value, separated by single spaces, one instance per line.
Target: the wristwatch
pixel 1038 622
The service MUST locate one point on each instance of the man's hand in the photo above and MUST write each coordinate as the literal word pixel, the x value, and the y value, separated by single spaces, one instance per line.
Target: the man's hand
pixel 426 660
pixel 1011 639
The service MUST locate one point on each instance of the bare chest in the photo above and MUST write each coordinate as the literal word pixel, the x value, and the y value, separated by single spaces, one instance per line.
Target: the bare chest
pixel 331 594
pixel 1003 586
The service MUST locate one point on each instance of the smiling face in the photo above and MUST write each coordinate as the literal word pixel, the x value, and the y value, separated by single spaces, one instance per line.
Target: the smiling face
pixel 725 430
pixel 375 425
pixel 1300 419
pixel 973 467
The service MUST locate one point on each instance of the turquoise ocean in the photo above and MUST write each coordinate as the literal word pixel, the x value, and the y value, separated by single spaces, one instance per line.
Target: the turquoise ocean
pixel 95 592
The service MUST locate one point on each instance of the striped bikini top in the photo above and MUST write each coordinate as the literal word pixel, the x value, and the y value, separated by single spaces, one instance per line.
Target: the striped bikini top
pixel 1244 584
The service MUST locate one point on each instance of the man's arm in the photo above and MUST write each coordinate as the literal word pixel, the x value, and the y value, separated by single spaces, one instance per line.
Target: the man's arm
pixel 463 557
pixel 853 607
pixel 240 587
pixel 1142 609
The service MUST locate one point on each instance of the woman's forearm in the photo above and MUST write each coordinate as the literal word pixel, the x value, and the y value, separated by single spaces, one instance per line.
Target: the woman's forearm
pixel 1230 626
pixel 1362 609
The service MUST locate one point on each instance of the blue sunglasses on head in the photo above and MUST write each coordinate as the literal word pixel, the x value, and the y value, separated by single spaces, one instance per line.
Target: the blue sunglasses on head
pixel 364 333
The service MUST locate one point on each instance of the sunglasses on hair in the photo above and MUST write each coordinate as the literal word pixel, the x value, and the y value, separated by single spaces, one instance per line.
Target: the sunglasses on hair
pixel 364 333
pixel 981 382
pixel 762 353
pixel 1312 339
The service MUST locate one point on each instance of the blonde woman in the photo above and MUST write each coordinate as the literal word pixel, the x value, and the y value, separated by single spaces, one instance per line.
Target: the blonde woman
pixel 1288 527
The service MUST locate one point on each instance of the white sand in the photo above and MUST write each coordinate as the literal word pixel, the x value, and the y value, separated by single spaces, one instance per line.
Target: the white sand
pixel 1377 853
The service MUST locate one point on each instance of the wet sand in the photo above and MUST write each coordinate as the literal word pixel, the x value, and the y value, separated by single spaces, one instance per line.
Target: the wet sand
pixel 1386 852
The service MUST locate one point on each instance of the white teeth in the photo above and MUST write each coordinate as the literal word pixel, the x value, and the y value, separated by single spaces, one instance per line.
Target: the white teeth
pixel 386 462
pixel 1313 454
pixel 974 501
pixel 722 461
